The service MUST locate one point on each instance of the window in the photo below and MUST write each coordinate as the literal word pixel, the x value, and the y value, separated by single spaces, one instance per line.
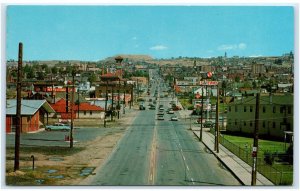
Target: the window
pixel 282 109
pixel 91 113
pixel 274 109
pixel 264 124
pixel 229 108
pixel 251 108
pixel 236 108
pixel 245 108
pixel 289 109
pixel 274 125
pixel 235 122
pixel 264 109
pixel 250 123
pixel 84 113
pixel 245 123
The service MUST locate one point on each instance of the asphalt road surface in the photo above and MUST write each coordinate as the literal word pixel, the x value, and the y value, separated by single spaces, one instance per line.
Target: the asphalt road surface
pixel 161 152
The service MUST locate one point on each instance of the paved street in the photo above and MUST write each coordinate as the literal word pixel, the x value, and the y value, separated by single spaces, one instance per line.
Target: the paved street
pixel 161 152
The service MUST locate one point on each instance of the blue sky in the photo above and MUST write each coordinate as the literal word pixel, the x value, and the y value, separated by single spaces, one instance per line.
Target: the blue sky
pixel 96 32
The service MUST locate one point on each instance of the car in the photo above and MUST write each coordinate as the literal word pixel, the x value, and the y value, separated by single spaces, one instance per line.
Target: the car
pixel 170 112
pixel 58 127
pixel 174 118
pixel 160 113
pixel 142 107
pixel 208 124
pixel 160 117
pixel 152 107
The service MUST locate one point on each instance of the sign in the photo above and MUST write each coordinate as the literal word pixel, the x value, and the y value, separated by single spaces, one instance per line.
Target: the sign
pixel 209 74
pixel 208 83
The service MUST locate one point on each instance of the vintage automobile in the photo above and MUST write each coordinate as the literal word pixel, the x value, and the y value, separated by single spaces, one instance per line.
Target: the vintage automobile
pixel 58 127
pixel 160 117
pixel 174 118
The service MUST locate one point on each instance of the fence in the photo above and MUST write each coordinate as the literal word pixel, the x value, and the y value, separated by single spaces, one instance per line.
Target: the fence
pixel 277 176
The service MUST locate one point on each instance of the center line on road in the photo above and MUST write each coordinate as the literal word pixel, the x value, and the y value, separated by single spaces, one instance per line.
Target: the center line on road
pixel 187 167
pixel 183 157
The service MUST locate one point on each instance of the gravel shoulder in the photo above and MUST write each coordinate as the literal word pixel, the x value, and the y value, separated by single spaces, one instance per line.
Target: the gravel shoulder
pixel 67 166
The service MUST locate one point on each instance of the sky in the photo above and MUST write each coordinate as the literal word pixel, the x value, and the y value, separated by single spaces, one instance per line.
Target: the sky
pixel 92 33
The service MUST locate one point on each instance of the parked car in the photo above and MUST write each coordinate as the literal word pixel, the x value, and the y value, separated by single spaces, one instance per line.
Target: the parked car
pixel 58 127
pixel 208 124
pixel 174 118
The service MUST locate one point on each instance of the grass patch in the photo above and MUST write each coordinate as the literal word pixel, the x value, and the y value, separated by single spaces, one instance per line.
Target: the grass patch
pixel 185 103
pixel 264 145
pixel 29 178
pixel 279 173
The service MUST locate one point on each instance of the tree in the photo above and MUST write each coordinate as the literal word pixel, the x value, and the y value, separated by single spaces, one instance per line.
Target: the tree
pixel 254 84
pixel 40 76
pixel 54 70
pixel 237 79
pixel 224 87
pixel 92 78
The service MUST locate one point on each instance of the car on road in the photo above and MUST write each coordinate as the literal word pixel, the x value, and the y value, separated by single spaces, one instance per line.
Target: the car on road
pixel 174 118
pixel 171 112
pixel 142 107
pixel 58 127
pixel 152 107
pixel 160 117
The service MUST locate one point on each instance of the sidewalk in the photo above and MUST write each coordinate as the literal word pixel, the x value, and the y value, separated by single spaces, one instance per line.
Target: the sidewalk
pixel 241 170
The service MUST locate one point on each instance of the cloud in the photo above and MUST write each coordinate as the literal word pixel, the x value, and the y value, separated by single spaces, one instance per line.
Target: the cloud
pixel 253 56
pixel 134 38
pixel 240 46
pixel 158 47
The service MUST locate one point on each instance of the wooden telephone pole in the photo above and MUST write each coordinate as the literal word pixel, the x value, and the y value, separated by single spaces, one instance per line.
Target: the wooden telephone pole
pixel 255 142
pixel 18 112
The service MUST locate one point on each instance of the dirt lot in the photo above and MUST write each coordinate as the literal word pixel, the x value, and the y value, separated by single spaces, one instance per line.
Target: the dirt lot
pixel 56 165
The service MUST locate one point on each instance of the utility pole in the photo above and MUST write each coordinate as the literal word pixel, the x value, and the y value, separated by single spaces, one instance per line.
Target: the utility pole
pixel 112 104
pixel 72 104
pixel 131 97
pixel 52 94
pixel 124 97
pixel 119 100
pixel 201 126
pixel 18 112
pixel 78 102
pixel 106 98
pixel 217 131
pixel 255 141
pixel 67 98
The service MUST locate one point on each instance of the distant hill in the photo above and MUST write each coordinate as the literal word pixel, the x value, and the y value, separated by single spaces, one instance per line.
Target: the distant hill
pixel 131 58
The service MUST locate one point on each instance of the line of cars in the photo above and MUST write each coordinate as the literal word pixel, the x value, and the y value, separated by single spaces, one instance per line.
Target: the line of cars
pixel 161 113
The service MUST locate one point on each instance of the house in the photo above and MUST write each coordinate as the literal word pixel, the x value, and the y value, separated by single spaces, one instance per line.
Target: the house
pixel 83 110
pixel 32 115
pixel 275 115
pixel 88 111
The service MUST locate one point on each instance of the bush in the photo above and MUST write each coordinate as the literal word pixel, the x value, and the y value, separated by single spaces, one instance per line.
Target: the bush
pixel 268 158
